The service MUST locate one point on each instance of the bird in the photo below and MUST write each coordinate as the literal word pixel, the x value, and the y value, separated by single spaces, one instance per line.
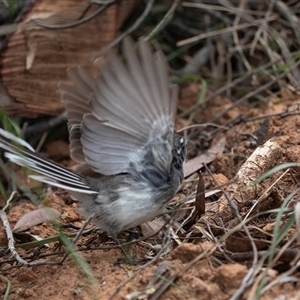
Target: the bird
pixel 121 131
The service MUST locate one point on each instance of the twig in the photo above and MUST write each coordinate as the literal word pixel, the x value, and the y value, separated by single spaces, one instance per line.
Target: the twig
pixel 45 125
pixel 246 282
pixel 41 141
pixel 286 256
pixel 285 277
pixel 258 90
pixel 166 19
pixel 232 84
pixel 76 23
pixel 236 38
pixel 199 59
pixel 280 115
pixel 294 21
pixel 127 32
pixel 9 233
pixel 79 233
pixel 222 31
pixel 221 8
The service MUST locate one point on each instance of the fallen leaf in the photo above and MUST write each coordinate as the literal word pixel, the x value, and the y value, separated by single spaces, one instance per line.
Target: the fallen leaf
pixel 36 217
pixel 196 163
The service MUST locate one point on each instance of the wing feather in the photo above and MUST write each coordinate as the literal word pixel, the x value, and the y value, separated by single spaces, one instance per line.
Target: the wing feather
pixel 150 71
pixel 76 98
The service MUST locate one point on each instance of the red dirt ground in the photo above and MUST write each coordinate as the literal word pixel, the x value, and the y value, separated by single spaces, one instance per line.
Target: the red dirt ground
pixel 213 276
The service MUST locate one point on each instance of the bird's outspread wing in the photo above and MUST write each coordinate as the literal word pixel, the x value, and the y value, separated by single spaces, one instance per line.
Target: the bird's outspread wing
pixel 115 118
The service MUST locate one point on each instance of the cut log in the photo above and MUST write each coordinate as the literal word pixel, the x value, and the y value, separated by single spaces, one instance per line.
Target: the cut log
pixel 35 58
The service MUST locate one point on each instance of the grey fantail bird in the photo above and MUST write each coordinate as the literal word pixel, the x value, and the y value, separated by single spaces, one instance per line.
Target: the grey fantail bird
pixel 121 126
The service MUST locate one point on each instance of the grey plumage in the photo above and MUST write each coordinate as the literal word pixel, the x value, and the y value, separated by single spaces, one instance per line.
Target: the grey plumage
pixel 121 127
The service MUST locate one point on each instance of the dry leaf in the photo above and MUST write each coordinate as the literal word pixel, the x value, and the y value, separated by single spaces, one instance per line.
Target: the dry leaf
pixel 196 163
pixel 36 217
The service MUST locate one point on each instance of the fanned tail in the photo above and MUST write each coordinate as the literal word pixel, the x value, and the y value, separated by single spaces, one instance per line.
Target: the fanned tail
pixel 22 154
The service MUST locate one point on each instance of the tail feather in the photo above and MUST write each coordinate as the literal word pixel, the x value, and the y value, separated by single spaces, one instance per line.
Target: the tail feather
pixel 21 153
pixel 42 169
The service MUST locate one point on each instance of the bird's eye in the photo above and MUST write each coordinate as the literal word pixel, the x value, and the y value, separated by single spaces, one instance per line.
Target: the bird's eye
pixel 183 141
